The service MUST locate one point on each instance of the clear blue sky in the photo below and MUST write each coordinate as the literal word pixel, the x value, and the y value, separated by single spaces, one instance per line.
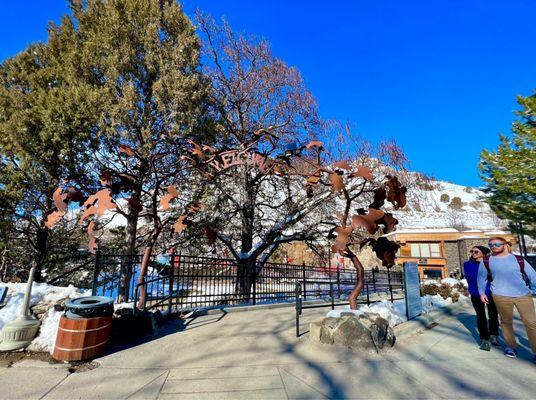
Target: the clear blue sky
pixel 439 77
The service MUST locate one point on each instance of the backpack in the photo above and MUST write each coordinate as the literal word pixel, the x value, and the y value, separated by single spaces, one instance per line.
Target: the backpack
pixel 520 261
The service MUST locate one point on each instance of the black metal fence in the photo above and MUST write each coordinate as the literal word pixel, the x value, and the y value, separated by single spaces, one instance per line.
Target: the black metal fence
pixel 181 282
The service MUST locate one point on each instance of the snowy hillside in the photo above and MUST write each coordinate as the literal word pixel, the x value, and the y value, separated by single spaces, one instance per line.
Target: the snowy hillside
pixel 447 205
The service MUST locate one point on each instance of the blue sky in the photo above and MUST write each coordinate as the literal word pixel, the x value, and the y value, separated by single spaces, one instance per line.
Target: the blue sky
pixel 439 77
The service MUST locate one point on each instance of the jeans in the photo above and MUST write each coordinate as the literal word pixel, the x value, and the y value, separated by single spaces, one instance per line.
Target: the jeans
pixel 525 308
pixel 482 321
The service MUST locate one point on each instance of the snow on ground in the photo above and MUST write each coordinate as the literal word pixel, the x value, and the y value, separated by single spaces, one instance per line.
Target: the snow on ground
pixel 41 293
pixel 394 312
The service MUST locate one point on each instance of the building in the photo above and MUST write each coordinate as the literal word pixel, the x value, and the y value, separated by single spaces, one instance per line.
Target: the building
pixel 440 253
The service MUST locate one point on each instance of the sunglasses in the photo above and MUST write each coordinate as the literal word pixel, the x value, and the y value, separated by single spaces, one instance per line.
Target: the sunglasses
pixel 496 244
pixel 475 251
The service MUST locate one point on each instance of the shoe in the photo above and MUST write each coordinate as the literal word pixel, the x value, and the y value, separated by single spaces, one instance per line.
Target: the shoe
pixel 509 352
pixel 484 345
pixel 494 340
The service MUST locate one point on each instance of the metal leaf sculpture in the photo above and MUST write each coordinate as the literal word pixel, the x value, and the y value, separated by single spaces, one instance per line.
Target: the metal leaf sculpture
pixel 172 193
pixel 373 221
pixel 396 193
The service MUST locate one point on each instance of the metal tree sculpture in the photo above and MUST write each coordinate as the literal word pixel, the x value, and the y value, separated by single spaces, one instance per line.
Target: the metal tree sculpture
pixel 364 227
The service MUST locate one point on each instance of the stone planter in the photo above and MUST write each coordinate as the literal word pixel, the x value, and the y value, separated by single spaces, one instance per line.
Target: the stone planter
pixel 364 332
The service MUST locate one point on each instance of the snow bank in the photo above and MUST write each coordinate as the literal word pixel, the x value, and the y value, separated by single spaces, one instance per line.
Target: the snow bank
pixel 41 293
pixel 395 312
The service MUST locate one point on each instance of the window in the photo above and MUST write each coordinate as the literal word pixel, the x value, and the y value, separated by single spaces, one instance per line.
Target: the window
pixel 425 250
pixel 432 273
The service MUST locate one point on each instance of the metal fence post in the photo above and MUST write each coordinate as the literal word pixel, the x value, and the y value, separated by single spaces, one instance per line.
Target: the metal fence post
pixel 304 285
pixel 368 297
pixel 255 285
pixel 389 281
pixel 96 272
pixel 297 292
pixel 374 279
pixel 338 281
pixel 171 278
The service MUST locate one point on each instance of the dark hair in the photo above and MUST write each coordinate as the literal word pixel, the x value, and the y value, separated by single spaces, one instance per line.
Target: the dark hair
pixel 483 249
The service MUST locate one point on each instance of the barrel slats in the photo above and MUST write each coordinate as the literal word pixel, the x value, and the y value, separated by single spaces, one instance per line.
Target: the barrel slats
pixel 80 339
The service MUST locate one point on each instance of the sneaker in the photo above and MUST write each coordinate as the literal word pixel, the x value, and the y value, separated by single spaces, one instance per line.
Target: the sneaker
pixel 494 340
pixel 509 352
pixel 484 345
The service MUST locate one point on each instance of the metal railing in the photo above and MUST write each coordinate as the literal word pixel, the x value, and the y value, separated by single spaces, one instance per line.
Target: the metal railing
pixel 191 283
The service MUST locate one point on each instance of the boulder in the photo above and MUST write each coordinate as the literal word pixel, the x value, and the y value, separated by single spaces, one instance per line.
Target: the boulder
pixel 366 332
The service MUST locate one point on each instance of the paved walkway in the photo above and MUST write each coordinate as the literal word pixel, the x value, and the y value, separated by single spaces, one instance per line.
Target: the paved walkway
pixel 254 355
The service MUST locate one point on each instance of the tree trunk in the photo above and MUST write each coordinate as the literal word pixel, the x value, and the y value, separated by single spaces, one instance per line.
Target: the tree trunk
pixel 245 278
pixel 145 265
pixel 245 273
pixel 129 255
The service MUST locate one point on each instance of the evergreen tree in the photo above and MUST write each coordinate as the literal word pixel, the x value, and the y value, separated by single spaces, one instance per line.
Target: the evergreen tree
pixel 143 57
pixel 46 121
pixel 510 171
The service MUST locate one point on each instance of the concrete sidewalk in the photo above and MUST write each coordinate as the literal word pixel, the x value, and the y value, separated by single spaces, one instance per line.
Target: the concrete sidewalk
pixel 254 355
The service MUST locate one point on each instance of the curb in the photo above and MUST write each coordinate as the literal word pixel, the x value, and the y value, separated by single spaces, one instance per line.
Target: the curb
pixel 426 321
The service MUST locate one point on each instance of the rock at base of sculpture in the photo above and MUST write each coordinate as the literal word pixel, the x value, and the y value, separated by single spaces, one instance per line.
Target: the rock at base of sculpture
pixel 364 332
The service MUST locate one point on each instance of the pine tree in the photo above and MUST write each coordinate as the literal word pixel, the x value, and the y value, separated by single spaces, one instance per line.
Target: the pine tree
pixel 46 120
pixel 510 171
pixel 143 60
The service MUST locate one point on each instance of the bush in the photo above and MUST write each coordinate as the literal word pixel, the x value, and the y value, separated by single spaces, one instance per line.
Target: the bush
pixel 476 204
pixel 444 291
pixel 456 203
pixel 445 198
pixel 468 189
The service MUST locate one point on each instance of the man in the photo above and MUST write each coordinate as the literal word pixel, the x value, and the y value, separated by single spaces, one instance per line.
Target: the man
pixel 509 289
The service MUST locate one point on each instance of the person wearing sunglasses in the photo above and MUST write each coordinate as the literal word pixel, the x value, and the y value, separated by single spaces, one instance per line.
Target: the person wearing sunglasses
pixel 510 278
pixel 487 329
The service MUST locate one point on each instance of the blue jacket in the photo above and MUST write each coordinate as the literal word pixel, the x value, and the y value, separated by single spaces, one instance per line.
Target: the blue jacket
pixel 470 270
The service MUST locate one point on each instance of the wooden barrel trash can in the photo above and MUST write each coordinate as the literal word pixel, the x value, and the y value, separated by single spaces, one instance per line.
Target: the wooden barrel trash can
pixel 81 339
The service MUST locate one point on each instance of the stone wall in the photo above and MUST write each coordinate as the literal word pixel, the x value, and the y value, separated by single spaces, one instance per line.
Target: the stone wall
pixel 452 255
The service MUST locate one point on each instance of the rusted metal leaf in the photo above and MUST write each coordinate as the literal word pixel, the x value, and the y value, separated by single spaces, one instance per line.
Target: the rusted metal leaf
pixel 337 184
pixel 127 150
pixel 396 193
pixel 385 250
pixel 181 224
pixel 380 194
pixel 97 204
pixel 313 144
pixel 59 200
pixel 343 238
pixel 73 194
pixel 53 218
pixel 172 193
pixel 343 165
pixel 93 241
pixel 368 221
pixel 388 221
pixel 135 203
pixel 363 172
pixel 194 208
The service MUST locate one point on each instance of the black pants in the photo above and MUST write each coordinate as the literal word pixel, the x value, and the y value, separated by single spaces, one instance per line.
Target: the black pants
pixel 482 321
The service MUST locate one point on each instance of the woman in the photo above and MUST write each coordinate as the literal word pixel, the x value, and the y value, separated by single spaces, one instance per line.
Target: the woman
pixel 488 333
pixel 510 278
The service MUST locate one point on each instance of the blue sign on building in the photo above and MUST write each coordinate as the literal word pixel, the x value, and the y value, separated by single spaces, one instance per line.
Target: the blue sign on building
pixel 412 289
